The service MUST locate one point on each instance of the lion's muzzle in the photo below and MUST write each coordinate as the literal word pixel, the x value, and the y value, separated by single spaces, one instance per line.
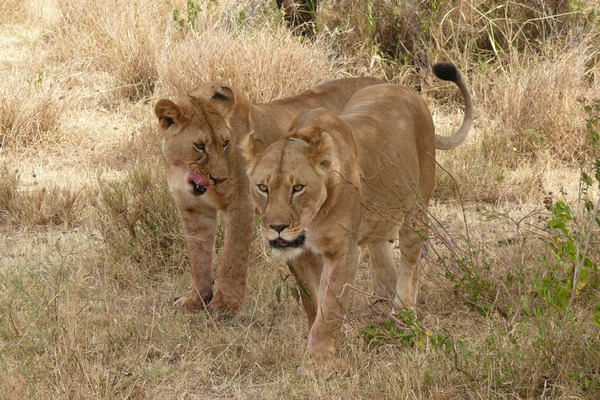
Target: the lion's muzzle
pixel 281 243
pixel 199 183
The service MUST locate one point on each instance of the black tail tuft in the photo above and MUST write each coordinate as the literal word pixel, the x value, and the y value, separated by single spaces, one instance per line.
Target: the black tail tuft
pixel 446 71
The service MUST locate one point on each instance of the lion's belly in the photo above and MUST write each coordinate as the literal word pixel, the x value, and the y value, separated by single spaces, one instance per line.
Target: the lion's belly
pixel 375 227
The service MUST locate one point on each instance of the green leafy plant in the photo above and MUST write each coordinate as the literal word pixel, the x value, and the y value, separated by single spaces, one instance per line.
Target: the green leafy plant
pixel 573 230
pixel 187 20
pixel 470 273
pixel 474 285
pixel 405 329
pixel 289 286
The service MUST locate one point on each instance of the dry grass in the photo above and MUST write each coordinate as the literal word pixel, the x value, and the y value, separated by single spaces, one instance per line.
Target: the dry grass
pixel 91 252
pixel 185 64
pixel 536 107
pixel 12 11
pixel 26 122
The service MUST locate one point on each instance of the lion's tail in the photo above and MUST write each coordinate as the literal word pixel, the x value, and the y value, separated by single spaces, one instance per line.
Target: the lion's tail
pixel 449 72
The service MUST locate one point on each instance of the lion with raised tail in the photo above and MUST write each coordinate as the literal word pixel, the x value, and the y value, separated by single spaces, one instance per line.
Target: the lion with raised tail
pixel 206 173
pixel 363 177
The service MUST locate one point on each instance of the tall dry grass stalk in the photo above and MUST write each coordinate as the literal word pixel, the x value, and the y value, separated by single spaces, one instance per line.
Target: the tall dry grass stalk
pixel 265 64
pixel 12 12
pixel 38 207
pixel 537 106
pixel 530 117
pixel 29 115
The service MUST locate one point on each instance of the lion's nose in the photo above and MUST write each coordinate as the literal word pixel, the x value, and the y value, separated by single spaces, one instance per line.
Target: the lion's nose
pixel 216 181
pixel 278 227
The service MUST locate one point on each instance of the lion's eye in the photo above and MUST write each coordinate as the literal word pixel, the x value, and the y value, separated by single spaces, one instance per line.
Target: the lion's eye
pixel 200 147
pixel 225 144
pixel 263 188
pixel 297 189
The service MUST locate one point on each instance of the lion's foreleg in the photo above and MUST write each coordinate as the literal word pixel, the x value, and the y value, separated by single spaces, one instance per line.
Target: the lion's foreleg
pixel 233 265
pixel 408 274
pixel 307 268
pixel 199 226
pixel 339 268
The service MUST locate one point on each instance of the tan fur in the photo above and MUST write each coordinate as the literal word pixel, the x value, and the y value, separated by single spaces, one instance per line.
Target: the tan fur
pixel 362 178
pixel 214 117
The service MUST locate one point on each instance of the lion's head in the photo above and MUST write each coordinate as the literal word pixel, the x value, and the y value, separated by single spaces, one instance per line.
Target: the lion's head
pixel 197 134
pixel 288 183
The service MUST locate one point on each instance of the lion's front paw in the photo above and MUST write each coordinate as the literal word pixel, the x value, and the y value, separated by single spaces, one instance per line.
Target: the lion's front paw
pixel 319 359
pixel 321 352
pixel 218 303
pixel 192 303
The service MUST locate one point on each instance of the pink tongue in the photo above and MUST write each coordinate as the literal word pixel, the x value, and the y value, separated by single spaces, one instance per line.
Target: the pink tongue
pixel 198 179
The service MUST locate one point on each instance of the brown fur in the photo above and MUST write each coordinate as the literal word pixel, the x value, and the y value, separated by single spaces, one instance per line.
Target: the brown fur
pixel 217 116
pixel 362 178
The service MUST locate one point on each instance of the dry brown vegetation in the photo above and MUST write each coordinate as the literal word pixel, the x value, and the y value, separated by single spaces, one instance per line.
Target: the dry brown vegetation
pixel 91 253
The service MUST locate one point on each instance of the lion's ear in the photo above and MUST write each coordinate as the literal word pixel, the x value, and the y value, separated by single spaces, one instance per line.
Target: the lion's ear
pixel 323 153
pixel 305 128
pixel 169 114
pixel 223 99
pixel 249 151
pixel 310 134
pixel 223 93
pixel 219 94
